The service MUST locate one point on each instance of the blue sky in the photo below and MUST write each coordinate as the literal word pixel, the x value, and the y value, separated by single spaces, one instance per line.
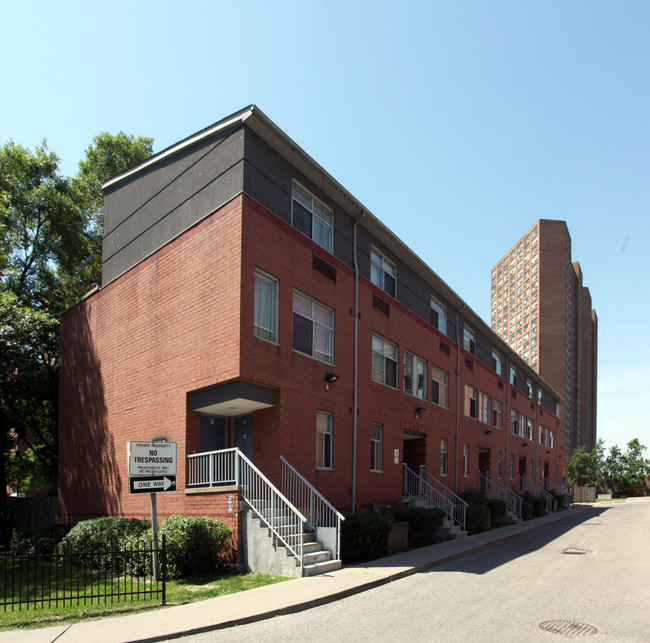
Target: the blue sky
pixel 458 124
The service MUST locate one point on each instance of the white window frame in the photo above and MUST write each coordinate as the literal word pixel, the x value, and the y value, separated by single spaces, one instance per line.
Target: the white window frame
pixel 321 318
pixel 441 315
pixel 485 402
pixel 415 375
pixel 383 272
pixel 499 464
pixel 444 457
pixel 470 401
pixel 439 386
pixel 324 440
pixel 265 322
pixel 496 361
pixel 466 454
pixel 322 217
pixel 384 351
pixel 514 422
pixel 497 414
pixel 469 339
pixel 376 446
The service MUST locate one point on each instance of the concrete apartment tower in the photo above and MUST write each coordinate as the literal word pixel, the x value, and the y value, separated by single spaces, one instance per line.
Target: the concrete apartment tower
pixel 542 310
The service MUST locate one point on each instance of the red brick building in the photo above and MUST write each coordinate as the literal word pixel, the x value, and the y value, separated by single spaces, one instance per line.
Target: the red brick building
pixel 238 278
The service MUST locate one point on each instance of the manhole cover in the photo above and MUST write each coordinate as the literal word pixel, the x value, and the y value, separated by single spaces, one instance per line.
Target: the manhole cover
pixel 568 628
pixel 575 551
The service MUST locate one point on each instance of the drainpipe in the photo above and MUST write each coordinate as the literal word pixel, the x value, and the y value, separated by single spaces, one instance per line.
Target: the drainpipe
pixel 355 388
pixel 457 398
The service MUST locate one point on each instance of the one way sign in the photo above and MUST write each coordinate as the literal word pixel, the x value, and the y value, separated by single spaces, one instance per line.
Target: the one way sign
pixel 152 484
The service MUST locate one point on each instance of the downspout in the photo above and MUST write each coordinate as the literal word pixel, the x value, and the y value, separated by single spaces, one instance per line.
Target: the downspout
pixel 355 387
pixel 457 399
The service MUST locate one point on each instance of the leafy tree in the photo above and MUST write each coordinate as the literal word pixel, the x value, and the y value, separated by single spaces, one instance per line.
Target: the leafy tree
pixel 585 467
pixel 107 156
pixel 624 471
pixel 50 254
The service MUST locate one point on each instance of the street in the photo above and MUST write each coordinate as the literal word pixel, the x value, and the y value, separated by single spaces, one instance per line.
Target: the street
pixel 586 575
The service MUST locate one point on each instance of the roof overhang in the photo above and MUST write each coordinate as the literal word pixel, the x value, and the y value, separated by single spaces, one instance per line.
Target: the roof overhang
pixel 233 399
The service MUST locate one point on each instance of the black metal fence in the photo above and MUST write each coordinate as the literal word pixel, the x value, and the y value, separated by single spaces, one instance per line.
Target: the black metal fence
pixel 63 578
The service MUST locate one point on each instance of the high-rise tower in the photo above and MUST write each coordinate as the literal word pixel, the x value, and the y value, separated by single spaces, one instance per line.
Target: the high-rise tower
pixel 541 308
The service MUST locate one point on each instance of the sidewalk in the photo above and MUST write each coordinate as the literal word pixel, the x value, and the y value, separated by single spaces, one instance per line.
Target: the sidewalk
pixel 272 600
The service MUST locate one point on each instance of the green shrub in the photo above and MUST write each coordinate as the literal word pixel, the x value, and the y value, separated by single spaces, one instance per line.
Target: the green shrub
pixel 196 546
pixel 474 497
pixel 108 533
pixel 478 519
pixel 498 509
pixel 423 523
pixel 527 509
pixel 364 536
pixel 38 541
pixel 539 506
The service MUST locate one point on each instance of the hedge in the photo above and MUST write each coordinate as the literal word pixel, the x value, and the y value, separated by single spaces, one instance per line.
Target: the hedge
pixel 478 519
pixel 423 524
pixel 364 536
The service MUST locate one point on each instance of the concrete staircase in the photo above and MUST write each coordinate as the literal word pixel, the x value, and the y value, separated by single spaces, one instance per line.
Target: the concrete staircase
pixel 315 559
pixel 455 530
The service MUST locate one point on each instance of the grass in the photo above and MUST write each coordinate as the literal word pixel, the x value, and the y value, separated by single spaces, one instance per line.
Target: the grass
pixel 178 592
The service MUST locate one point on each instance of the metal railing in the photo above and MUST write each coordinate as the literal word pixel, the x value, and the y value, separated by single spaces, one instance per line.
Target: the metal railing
pixel 495 489
pixel 232 467
pixel 66 578
pixel 419 490
pixel 526 484
pixel 456 504
pixel 321 515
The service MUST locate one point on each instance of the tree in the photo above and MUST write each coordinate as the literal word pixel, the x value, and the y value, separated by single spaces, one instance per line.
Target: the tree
pixel 107 156
pixel 50 255
pixel 586 467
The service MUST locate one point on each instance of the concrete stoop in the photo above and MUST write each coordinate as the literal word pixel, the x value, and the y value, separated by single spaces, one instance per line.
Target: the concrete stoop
pixel 455 531
pixel 264 553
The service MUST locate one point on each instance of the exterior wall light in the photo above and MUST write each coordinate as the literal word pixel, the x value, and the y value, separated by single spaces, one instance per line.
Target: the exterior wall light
pixel 330 378
pixel 419 411
pixel 487 432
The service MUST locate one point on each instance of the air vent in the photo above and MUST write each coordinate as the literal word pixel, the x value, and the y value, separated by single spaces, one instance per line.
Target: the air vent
pixel 500 385
pixel 381 305
pixel 514 394
pixel 325 268
pixel 444 348
pixel 469 364
pixel 532 406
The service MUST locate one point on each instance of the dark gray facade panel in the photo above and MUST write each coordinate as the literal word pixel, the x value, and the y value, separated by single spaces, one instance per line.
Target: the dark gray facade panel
pixel 156 236
pixel 119 263
pixel 219 192
pixel 120 237
pixel 166 201
pixel 267 193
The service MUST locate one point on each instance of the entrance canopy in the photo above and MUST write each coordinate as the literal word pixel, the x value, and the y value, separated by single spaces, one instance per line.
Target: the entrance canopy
pixel 233 399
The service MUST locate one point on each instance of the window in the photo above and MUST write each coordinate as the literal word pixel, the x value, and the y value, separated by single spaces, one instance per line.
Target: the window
pixel 514 422
pixel 376 431
pixel 469 340
pixel 485 407
pixel 384 361
pixel 531 429
pixel 470 401
pixel 324 440
pixel 382 272
pixel 266 307
pixel 438 315
pixel 512 466
pixel 499 464
pixel 466 460
pixel 497 413
pixel 522 425
pixel 496 361
pixel 312 217
pixel 439 386
pixel 415 370
pixel 444 447
pixel 513 375
pixel 313 328
pixel 529 387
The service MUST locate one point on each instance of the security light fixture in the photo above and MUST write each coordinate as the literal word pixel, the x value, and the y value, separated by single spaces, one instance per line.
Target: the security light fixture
pixel 419 410
pixel 487 432
pixel 330 378
pixel 525 444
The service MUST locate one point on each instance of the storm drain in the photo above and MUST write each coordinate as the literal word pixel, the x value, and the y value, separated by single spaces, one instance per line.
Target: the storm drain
pixel 568 628
pixel 575 551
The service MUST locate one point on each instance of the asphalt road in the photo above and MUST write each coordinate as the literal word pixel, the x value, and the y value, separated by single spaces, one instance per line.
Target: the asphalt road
pixel 587 576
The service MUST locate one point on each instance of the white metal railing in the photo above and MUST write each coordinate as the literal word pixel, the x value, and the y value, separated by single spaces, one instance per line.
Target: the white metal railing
pixel 232 467
pixel 495 489
pixel 419 490
pixel 321 515
pixel 454 501
pixel 526 484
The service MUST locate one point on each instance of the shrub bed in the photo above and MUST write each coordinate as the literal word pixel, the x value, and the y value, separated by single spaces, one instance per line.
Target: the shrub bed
pixel 423 524
pixel 478 519
pixel 364 536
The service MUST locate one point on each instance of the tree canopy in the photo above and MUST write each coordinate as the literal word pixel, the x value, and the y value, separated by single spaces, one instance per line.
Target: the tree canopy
pixel 51 229
pixel 622 472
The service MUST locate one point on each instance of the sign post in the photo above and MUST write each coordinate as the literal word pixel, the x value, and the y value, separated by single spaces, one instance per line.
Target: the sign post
pixel 152 468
